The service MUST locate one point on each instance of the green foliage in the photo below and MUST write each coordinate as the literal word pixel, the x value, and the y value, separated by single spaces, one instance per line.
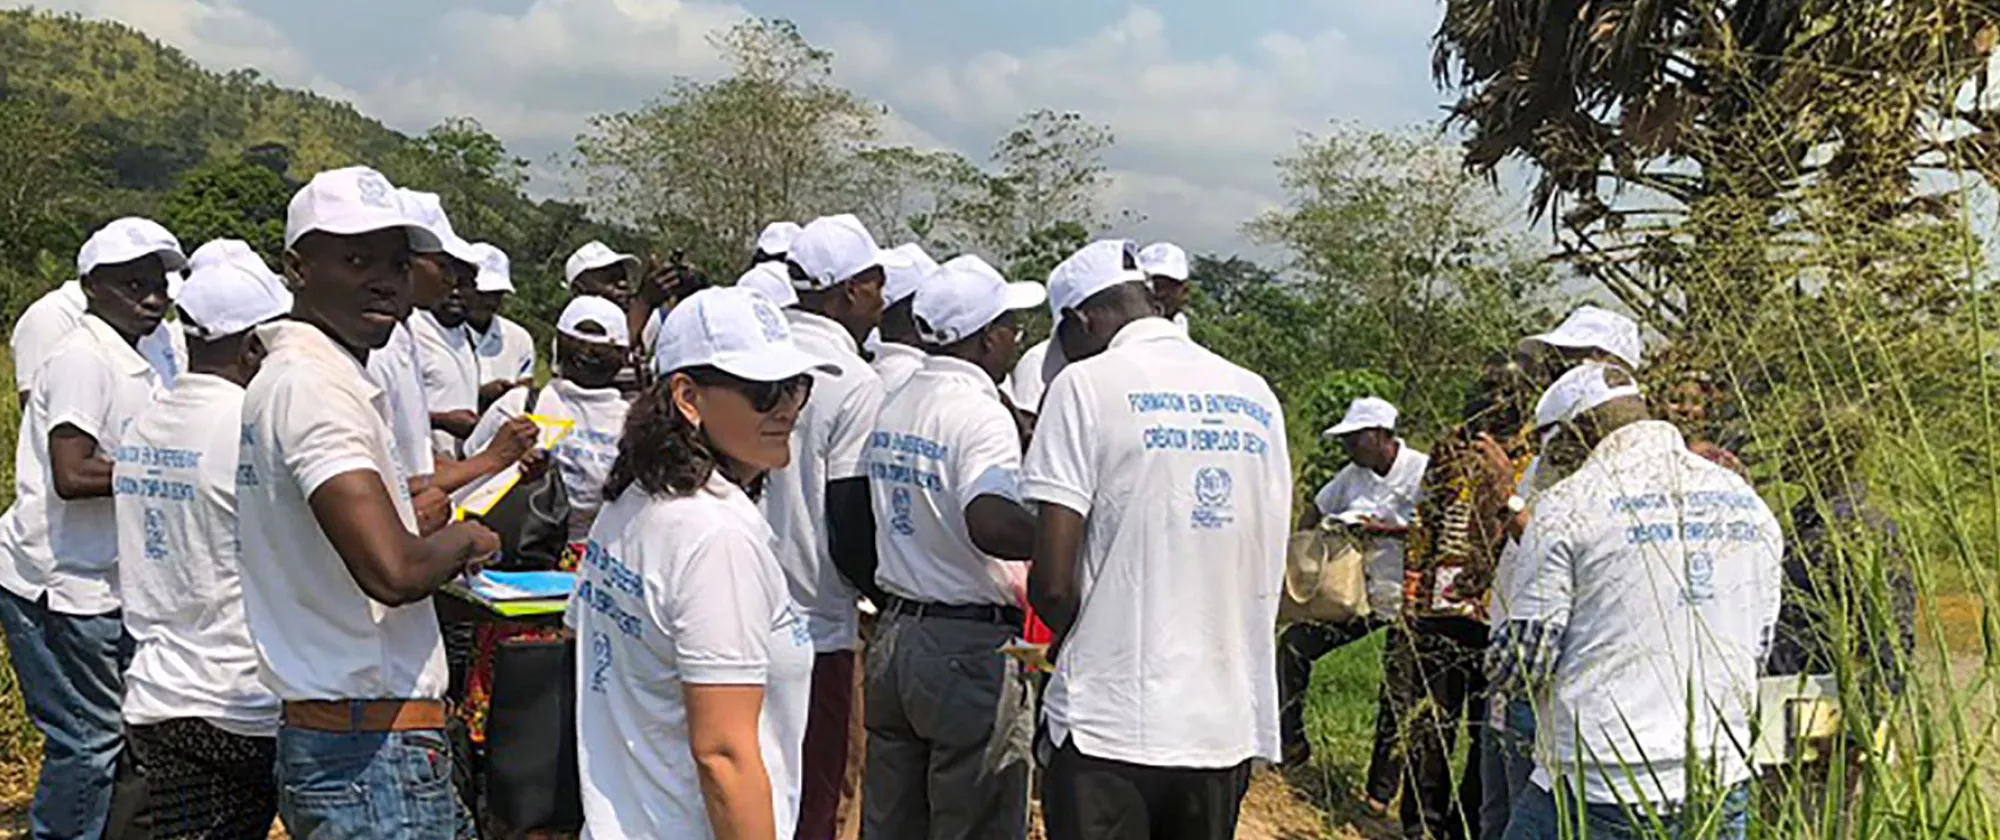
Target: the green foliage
pixel 230 200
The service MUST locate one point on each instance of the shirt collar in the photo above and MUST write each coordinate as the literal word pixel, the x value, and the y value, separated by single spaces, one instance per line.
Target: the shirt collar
pixel 205 383
pixel 888 349
pixel 72 291
pixel 1645 434
pixel 1148 329
pixel 825 328
pixel 964 371
pixel 306 340
pixel 120 351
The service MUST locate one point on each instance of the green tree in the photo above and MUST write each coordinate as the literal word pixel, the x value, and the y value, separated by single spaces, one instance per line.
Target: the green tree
pixel 49 180
pixel 230 200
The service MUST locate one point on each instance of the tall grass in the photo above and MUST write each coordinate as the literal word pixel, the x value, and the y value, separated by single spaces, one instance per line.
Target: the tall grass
pixel 20 744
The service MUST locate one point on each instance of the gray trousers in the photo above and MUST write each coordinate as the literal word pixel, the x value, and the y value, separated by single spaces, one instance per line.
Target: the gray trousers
pixel 950 727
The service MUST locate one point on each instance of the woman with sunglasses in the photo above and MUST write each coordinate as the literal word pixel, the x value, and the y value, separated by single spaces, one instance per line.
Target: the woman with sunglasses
pixel 693 664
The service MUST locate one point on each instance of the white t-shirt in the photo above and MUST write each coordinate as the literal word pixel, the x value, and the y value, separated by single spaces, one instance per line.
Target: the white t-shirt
pixel 1028 380
pixel 444 364
pixel 942 441
pixel 1665 572
pixel 676 592
pixel 896 363
pixel 584 455
pixel 1177 460
pixel 827 445
pixel 311 414
pixel 176 500
pixel 68 549
pixel 52 317
pixel 1357 491
pixel 504 353
pixel 396 369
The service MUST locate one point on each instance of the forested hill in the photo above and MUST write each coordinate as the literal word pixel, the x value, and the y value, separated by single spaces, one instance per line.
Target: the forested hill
pixel 101 120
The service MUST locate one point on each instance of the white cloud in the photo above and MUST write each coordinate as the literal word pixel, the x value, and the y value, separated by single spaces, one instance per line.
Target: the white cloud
pixel 220 34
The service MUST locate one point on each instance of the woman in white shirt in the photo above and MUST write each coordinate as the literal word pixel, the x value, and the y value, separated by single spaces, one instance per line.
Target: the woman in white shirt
pixel 693 665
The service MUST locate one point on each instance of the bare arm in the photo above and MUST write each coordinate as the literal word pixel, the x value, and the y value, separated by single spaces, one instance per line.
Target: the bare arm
pixel 74 465
pixel 1052 585
pixel 458 423
pixel 390 564
pixel 1000 527
pixel 851 534
pixel 722 736
pixel 508 447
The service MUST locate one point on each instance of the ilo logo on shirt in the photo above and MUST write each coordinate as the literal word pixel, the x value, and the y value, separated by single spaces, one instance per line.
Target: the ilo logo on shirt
pixel 1700 579
pixel 1213 487
pixel 899 506
pixel 600 661
pixel 156 534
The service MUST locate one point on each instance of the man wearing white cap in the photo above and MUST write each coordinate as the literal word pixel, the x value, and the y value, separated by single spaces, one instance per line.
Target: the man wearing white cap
pixel 774 243
pixel 1165 495
pixel 54 316
pixel 336 581
pixel 503 353
pixel 1376 496
pixel 953 539
pixel 898 352
pixel 58 542
pixel 1649 573
pixel 819 506
pixel 773 281
pixel 203 727
pixel 1166 267
pixel 1590 333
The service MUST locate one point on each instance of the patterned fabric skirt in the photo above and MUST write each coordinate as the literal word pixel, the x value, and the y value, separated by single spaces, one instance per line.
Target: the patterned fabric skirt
pixel 203 782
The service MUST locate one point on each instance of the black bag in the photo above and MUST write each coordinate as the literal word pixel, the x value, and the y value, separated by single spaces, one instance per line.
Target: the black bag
pixel 532 520
pixel 531 762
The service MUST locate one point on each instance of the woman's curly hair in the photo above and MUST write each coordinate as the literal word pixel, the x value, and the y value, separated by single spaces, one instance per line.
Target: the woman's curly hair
pixel 661 451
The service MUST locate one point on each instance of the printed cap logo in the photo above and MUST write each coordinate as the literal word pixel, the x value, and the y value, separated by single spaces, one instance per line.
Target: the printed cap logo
pixel 375 190
pixel 774 327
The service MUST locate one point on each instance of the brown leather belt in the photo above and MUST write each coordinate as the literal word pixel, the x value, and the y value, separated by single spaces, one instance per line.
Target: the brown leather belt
pixel 365 715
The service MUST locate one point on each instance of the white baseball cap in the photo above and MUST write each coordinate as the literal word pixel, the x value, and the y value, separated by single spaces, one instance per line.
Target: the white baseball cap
pixel 495 270
pixel 903 279
pixel 591 309
pixel 350 202
pixel 1098 266
pixel 964 296
pixel 428 210
pixel 1164 259
pixel 771 280
pixel 1589 327
pixel 1364 414
pixel 1575 393
pixel 777 237
pixel 736 331
pixel 593 256
pixel 831 250
pixel 128 239
pixel 230 290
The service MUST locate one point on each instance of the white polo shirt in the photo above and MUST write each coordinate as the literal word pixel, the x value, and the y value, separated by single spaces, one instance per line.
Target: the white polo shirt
pixel 51 318
pixel 896 363
pixel 585 455
pixel 1177 460
pixel 676 592
pixel 504 353
pixel 1664 571
pixel 175 485
pixel 1359 491
pixel 444 364
pixel 1027 380
pixel 827 445
pixel 396 369
pixel 311 414
pixel 942 441
pixel 68 549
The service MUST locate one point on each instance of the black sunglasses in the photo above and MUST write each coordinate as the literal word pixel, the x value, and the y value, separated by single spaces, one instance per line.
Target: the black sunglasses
pixel 763 397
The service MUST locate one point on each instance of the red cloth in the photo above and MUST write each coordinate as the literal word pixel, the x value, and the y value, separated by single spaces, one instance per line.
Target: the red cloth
pixel 1035 632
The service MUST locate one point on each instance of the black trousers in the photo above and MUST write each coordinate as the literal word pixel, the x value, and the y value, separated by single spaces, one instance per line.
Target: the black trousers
pixel 201 782
pixel 1299 647
pixel 1085 798
pixel 1434 670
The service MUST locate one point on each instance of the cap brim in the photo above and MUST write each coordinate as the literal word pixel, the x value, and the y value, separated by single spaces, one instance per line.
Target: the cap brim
pixel 774 364
pixel 1025 295
pixel 422 240
pixel 607 340
pixel 1344 429
pixel 487 282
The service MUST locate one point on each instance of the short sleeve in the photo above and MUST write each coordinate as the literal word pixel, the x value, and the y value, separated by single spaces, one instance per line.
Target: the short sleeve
pixel 719 608
pixel 34 341
pixel 76 388
pixel 1329 499
pixel 1540 590
pixel 986 460
pixel 509 406
pixel 847 447
pixel 1062 463
pixel 320 433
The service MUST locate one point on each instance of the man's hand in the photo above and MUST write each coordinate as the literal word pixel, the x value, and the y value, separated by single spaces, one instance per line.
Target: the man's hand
pixel 495 390
pixel 485 546
pixel 534 465
pixel 512 443
pixel 433 509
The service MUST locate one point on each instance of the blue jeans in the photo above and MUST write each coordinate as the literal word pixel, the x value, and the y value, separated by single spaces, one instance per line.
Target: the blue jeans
pixel 1536 817
pixel 363 785
pixel 1505 762
pixel 71 672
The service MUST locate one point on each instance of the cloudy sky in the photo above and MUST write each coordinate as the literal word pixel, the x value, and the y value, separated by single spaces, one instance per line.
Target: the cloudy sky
pixel 1201 95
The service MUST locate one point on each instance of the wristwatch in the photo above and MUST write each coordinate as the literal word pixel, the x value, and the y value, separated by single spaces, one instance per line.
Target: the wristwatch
pixel 1516 504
